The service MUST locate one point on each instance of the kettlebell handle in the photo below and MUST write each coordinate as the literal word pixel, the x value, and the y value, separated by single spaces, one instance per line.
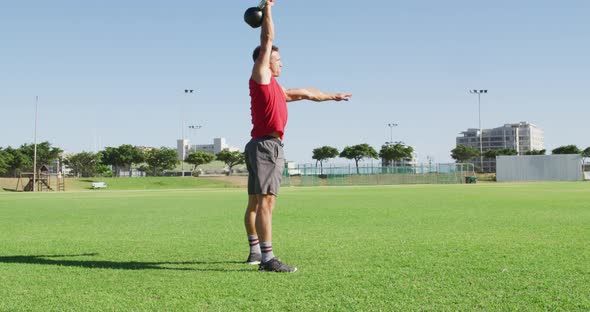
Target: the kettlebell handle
pixel 262 4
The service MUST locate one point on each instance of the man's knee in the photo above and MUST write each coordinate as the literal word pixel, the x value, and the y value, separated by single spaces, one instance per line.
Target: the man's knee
pixel 266 202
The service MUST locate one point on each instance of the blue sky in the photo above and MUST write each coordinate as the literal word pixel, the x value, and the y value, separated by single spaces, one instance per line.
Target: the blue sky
pixel 113 72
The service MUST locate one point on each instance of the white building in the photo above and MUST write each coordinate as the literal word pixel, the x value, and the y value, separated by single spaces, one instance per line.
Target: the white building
pixel 521 137
pixel 184 147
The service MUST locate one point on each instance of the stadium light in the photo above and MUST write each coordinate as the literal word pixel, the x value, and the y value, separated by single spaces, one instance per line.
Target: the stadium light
pixel 479 93
pixel 391 125
pixel 195 128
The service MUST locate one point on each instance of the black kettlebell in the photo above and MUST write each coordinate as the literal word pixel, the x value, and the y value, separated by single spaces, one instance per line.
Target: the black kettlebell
pixel 254 15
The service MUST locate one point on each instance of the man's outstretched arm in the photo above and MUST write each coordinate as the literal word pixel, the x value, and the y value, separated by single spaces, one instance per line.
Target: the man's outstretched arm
pixel 315 95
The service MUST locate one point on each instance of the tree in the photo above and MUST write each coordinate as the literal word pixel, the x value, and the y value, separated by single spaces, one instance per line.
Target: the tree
pixel 536 152
pixel 507 152
pixel 395 152
pixel 359 152
pixel 5 161
pixel 104 170
pixel 585 154
pixel 566 149
pixel 122 157
pixel 129 155
pixel 84 164
pixel 17 161
pixel 463 153
pixel 108 156
pixel 499 152
pixel 199 158
pixel 144 168
pixel 161 159
pixel 231 159
pixel 46 154
pixel 490 153
pixel 322 154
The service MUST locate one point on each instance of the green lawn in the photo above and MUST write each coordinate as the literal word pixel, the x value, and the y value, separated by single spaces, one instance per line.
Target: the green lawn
pixel 147 183
pixel 398 248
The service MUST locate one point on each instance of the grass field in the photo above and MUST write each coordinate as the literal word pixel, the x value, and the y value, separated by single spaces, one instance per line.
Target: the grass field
pixel 438 247
pixel 147 183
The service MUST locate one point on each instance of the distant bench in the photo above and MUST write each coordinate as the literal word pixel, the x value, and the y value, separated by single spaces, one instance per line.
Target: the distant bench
pixel 99 185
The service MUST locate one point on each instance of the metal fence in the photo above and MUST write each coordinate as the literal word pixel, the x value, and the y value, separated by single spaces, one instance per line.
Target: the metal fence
pixel 539 168
pixel 350 175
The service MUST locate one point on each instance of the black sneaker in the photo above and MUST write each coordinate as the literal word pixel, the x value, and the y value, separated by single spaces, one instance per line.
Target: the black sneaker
pixel 275 265
pixel 254 258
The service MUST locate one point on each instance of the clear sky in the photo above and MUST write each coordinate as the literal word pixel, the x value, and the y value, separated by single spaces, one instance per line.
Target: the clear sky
pixel 113 72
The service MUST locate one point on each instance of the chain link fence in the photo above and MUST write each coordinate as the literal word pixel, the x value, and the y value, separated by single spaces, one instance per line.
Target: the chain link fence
pixel 309 175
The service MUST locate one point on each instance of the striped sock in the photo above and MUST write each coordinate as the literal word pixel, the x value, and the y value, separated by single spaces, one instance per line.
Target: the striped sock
pixel 254 245
pixel 267 254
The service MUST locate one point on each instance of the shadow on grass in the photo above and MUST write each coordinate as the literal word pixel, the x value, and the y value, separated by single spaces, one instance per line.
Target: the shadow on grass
pixel 9 190
pixel 131 265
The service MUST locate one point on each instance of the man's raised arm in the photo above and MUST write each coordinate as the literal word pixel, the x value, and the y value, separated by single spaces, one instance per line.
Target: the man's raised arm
pixel 261 72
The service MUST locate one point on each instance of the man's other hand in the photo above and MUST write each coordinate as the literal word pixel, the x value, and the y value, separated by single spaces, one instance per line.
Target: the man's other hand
pixel 342 96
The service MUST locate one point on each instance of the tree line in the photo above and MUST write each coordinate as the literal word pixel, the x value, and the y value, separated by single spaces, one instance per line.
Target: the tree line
pixel 14 161
pixel 154 161
pixel 463 153
pixel 108 162
pixel 389 153
pixel 112 161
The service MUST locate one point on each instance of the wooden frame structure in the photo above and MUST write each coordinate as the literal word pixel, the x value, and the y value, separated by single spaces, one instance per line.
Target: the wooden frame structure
pixel 42 183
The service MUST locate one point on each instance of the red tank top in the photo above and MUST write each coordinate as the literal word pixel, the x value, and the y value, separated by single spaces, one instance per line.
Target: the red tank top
pixel 268 107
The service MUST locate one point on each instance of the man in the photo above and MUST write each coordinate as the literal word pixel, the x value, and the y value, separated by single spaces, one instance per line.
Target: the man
pixel 265 159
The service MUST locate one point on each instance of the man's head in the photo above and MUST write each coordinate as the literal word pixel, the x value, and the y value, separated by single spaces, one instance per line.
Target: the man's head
pixel 275 60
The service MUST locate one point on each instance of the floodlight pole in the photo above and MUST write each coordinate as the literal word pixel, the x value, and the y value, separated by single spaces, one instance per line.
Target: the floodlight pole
pixel 479 93
pixel 391 125
pixel 35 147
pixel 187 92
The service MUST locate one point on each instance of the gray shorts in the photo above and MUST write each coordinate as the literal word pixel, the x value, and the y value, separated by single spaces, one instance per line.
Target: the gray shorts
pixel 265 160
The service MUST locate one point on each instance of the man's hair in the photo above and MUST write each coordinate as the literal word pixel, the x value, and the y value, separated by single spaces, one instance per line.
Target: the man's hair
pixel 257 52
